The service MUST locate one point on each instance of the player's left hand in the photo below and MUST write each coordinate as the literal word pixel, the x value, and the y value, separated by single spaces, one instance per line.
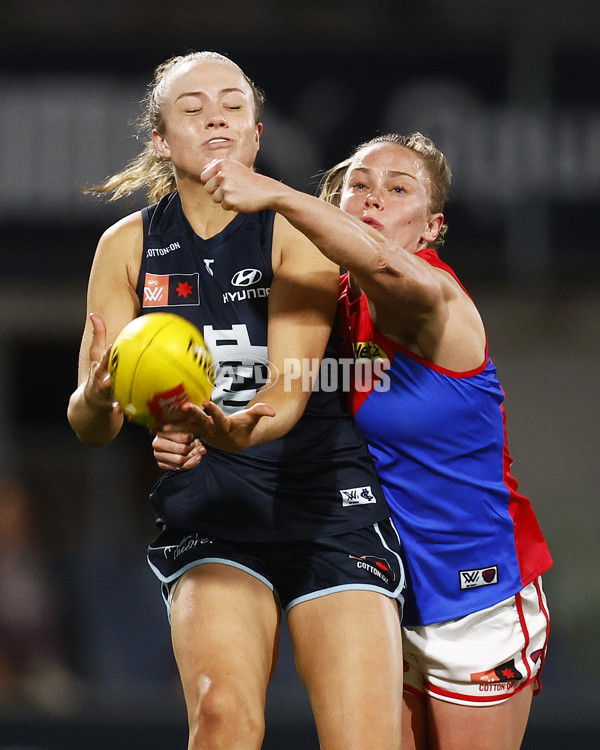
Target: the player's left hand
pixel 97 392
pixel 177 451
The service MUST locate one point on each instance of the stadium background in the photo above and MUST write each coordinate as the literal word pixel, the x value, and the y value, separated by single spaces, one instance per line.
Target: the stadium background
pixel 509 90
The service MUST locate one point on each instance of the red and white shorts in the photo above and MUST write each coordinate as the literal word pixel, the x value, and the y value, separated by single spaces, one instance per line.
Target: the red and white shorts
pixel 481 659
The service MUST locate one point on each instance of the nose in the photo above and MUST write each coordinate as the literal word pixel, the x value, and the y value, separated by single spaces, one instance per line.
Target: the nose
pixel 374 199
pixel 215 119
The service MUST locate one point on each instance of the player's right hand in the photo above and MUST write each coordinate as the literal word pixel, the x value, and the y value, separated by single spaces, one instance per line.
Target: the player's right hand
pixel 236 186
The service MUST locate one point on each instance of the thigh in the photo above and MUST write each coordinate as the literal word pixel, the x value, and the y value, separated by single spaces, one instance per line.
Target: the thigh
pixel 498 727
pixel 364 559
pixel 481 659
pixel 414 722
pixel 224 628
pixel 432 724
pixel 348 652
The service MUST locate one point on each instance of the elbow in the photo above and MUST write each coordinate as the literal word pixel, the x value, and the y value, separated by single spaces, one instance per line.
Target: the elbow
pixel 83 435
pixel 92 441
pixel 88 434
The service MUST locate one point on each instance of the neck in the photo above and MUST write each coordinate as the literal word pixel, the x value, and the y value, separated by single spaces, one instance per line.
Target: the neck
pixel 206 217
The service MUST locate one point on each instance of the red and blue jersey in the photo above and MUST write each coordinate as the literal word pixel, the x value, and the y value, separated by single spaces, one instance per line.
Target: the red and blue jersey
pixel 439 442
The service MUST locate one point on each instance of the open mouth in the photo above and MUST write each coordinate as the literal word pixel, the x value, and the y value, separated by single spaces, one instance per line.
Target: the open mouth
pixel 372 222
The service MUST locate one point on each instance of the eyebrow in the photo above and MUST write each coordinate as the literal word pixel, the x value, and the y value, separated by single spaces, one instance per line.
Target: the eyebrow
pixel 388 172
pixel 202 93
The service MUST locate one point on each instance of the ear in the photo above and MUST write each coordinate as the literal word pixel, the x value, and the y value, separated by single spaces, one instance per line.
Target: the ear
pixel 259 130
pixel 432 229
pixel 161 145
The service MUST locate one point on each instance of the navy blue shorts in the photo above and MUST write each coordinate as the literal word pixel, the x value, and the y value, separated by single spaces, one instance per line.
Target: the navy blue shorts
pixel 368 559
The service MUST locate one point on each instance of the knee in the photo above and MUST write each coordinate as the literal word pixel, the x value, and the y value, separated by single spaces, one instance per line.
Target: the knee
pixel 222 716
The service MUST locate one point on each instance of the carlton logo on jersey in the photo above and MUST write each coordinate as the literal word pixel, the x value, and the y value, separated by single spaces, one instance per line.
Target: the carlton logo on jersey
pixel 240 367
pixel 173 289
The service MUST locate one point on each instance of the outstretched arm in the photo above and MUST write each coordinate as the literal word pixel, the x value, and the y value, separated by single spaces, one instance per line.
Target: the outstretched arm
pixel 391 276
pixel 92 412
pixel 111 305
pixel 411 301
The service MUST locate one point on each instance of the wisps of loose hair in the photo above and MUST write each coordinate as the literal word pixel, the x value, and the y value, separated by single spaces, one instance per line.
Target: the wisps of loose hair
pixel 148 170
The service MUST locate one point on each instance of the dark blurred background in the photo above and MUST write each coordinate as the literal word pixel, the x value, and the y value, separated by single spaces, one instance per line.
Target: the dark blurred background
pixel 510 91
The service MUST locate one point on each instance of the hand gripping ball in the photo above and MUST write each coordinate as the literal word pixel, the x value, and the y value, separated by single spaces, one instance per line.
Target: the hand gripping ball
pixel 157 362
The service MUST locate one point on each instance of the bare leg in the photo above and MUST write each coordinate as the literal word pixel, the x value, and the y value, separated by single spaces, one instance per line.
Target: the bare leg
pixel 348 651
pixel 501 727
pixel 224 626
pixel 414 722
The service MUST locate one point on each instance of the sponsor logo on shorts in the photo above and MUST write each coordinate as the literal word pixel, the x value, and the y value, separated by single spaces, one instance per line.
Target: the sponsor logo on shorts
pixel 187 543
pixel 377 566
pixel 470 579
pixel 536 655
pixel 499 679
pixel 357 496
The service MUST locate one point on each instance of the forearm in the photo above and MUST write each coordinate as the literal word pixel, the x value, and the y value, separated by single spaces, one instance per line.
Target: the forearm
pixel 93 425
pixel 391 276
pixel 287 410
pixel 343 239
pixel 340 237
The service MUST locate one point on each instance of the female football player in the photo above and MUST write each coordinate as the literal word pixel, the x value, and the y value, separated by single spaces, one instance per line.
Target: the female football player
pixel 295 518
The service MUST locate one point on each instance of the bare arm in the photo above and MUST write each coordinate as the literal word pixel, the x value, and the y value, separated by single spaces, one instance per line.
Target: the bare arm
pixel 111 304
pixel 390 275
pixel 418 305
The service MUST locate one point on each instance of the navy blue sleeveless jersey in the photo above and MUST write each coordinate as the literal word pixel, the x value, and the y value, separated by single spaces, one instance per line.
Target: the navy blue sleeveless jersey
pixel 317 480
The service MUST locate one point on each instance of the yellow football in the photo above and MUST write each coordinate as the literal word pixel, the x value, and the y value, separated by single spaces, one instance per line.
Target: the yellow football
pixel 157 362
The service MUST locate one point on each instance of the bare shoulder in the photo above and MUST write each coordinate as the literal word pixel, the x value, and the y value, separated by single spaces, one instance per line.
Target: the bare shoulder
pixel 457 332
pixel 293 248
pixel 125 234
pixel 433 316
pixel 115 271
pixel 121 245
pixel 457 297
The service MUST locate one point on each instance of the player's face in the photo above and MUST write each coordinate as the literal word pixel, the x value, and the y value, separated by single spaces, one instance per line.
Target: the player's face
pixel 387 187
pixel 209 114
